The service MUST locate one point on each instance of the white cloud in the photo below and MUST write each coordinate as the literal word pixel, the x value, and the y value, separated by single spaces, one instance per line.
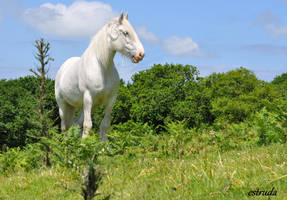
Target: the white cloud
pixel 81 19
pixel 271 24
pixel 276 30
pixel 176 46
pixel 146 35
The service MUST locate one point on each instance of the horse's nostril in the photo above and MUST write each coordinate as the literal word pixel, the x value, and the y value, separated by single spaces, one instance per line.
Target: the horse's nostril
pixel 141 54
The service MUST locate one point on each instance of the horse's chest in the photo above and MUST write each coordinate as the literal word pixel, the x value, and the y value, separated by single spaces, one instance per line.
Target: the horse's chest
pixel 105 87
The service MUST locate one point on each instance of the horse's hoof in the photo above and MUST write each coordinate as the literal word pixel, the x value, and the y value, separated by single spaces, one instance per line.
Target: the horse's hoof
pixel 85 135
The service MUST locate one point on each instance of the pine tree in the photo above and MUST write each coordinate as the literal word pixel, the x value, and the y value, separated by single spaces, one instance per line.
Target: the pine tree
pixel 41 73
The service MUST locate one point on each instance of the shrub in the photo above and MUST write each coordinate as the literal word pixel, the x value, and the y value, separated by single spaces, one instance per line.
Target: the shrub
pixel 124 136
pixel 177 138
pixel 70 150
pixel 13 159
pixel 263 128
pixel 235 136
pixel 269 127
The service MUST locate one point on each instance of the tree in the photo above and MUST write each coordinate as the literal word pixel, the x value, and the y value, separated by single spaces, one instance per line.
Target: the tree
pixel 121 109
pixel 157 91
pixel 16 105
pixel 43 57
pixel 279 80
pixel 237 95
pixel 281 83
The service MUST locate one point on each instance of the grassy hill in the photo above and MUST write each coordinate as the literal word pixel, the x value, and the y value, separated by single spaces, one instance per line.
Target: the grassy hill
pixel 209 174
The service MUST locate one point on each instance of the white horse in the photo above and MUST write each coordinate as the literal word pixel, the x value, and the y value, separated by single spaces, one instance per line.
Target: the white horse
pixel 92 79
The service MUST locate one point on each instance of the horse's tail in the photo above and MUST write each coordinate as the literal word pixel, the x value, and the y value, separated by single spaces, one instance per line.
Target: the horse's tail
pixel 79 120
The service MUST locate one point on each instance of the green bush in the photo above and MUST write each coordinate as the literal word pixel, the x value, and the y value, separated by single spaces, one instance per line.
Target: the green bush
pixel 263 128
pixel 176 139
pixel 14 159
pixel 18 113
pixel 68 149
pixel 269 127
pixel 123 137
pixel 236 136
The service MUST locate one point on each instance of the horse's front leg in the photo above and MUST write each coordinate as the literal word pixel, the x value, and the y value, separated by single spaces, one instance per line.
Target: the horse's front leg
pixel 106 122
pixel 88 104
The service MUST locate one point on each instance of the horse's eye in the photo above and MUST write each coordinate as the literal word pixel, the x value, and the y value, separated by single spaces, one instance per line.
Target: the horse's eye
pixel 126 33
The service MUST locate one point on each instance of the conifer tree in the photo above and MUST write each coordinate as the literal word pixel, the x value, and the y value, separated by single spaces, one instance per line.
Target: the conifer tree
pixel 41 73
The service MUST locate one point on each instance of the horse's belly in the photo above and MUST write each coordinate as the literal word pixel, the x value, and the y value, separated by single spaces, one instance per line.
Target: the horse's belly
pixel 73 97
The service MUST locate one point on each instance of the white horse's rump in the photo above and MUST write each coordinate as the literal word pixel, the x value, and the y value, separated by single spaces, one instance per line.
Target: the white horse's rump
pixel 87 81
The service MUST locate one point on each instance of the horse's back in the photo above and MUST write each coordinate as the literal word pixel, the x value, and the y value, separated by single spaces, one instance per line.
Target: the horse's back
pixel 67 65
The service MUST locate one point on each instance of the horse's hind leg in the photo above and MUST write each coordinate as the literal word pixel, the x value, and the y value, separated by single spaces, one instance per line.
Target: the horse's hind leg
pixel 69 115
pixel 66 112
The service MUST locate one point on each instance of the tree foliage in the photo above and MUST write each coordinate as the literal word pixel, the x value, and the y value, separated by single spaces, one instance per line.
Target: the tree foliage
pixel 156 93
pixel 157 97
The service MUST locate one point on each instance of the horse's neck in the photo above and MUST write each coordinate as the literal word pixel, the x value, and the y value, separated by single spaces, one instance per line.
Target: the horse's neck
pixel 99 47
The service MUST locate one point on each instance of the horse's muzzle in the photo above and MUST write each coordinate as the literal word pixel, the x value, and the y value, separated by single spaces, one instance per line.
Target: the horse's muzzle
pixel 138 57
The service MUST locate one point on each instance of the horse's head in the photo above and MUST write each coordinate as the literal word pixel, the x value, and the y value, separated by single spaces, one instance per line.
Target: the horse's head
pixel 124 39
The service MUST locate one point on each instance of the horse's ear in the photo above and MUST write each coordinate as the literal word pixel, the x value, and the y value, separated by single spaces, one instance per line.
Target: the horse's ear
pixel 113 32
pixel 126 16
pixel 121 17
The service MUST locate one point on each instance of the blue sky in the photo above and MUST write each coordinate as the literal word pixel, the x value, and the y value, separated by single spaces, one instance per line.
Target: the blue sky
pixel 214 36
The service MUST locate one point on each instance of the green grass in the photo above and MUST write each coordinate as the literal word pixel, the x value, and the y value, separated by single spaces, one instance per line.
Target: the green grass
pixel 206 175
pixel 39 184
